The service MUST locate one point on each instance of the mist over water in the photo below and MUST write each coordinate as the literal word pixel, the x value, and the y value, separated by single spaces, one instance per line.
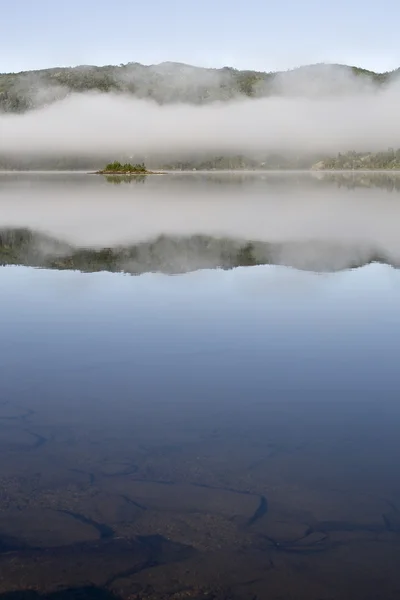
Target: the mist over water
pixel 178 223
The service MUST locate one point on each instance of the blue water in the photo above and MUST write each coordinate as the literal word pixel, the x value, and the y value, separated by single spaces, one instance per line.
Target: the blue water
pixel 215 333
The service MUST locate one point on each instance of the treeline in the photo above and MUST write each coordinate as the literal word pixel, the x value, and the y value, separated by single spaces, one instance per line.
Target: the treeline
pixel 386 160
pixel 198 162
pixel 389 159
pixel 273 161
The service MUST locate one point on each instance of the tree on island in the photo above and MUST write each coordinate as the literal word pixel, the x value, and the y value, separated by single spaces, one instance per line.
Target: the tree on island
pixel 117 167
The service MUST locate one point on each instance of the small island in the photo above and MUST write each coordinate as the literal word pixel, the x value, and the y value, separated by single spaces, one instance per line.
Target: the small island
pixel 117 168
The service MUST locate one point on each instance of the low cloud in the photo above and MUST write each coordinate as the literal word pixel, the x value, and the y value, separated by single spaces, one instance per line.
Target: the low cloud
pixel 304 112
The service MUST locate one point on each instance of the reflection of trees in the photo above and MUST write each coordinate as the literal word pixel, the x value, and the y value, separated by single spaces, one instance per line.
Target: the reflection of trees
pixel 118 179
pixel 387 181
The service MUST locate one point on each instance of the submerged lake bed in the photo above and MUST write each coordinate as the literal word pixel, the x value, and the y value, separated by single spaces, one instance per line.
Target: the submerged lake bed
pixel 199 386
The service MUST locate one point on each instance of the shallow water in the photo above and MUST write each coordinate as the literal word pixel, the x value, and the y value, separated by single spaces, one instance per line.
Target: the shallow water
pixel 214 434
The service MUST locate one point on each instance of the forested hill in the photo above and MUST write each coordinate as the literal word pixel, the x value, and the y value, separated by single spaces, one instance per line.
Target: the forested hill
pixel 175 82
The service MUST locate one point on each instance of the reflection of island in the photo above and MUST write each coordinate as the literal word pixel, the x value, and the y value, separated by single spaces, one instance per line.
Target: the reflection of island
pixel 118 179
pixel 127 169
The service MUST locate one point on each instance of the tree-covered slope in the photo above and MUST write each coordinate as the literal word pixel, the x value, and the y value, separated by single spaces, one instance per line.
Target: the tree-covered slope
pixel 175 82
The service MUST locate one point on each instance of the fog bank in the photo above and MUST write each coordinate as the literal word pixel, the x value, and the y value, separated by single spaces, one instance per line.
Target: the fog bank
pixel 109 124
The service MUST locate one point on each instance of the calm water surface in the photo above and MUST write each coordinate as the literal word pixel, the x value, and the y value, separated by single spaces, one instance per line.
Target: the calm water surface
pixel 226 433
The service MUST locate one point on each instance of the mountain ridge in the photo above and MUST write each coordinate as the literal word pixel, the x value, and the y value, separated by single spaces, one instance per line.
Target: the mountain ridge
pixel 188 65
pixel 170 82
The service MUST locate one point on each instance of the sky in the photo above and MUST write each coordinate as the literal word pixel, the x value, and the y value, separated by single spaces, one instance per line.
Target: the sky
pixel 252 34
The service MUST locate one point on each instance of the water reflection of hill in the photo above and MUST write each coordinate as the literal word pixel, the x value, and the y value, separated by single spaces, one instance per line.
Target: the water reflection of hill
pixel 174 254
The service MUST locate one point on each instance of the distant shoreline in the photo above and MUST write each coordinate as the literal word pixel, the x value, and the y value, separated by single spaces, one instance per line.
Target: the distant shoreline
pixel 127 173
pixel 199 171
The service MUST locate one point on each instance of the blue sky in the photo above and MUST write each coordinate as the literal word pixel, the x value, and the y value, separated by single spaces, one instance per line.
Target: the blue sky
pixel 257 34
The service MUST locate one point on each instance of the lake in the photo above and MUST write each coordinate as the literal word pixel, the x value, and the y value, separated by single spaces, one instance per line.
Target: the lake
pixel 199 386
